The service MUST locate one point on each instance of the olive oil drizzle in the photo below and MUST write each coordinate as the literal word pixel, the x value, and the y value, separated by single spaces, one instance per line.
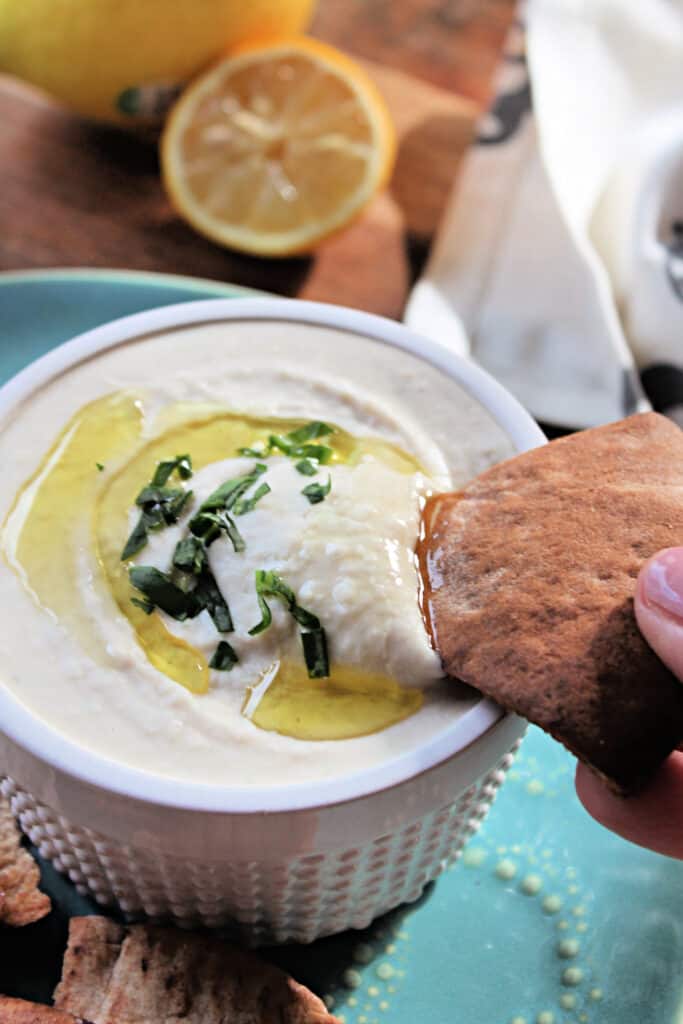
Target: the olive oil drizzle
pixel 68 504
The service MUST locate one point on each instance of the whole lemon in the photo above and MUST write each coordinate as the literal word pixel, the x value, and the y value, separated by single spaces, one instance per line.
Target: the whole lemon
pixel 125 60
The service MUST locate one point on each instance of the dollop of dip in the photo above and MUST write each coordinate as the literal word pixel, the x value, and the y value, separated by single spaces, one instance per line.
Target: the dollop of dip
pixel 220 593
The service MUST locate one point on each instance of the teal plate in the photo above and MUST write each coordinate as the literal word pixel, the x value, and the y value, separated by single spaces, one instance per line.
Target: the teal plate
pixel 547 919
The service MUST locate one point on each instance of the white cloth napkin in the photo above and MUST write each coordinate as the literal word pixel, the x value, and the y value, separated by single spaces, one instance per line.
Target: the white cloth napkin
pixel 559 264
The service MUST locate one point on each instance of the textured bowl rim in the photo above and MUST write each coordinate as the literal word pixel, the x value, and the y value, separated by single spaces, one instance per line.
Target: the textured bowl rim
pixel 31 733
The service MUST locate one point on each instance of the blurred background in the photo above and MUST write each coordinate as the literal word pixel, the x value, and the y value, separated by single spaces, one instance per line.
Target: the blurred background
pixel 80 192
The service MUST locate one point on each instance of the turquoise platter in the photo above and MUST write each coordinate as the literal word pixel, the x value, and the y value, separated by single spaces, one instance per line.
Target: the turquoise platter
pixel 547 919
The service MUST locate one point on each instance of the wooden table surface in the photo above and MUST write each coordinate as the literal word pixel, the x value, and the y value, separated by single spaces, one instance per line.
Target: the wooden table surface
pixel 78 194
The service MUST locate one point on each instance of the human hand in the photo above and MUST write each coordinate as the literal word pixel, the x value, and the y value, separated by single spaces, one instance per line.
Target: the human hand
pixel 653 818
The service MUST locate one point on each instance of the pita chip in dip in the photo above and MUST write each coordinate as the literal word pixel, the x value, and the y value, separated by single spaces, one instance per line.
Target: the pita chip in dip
pixel 530 575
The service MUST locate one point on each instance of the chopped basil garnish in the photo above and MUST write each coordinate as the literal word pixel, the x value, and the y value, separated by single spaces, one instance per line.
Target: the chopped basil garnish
pixel 309 432
pixel 224 657
pixel 254 453
pixel 317 492
pixel 296 444
pixel 190 587
pixel 100 466
pixel 315 653
pixel 208 596
pixel 161 592
pixel 180 603
pixel 269 584
pixel 213 517
pixel 161 506
pixel 190 556
pixel 182 464
pixel 321 452
pixel 227 494
pixel 243 505
pixel 236 538
pixel 280 444
pixel 266 614
pixel 210 525
pixel 137 539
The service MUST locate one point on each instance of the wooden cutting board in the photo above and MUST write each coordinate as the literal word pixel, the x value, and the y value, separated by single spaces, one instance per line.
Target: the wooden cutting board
pixel 78 194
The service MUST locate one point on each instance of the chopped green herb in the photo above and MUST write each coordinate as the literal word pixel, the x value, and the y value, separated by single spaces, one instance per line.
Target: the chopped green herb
pixel 213 516
pixel 227 494
pixel 190 555
pixel 266 616
pixel 254 453
pixel 243 505
pixel 317 492
pixel 281 444
pixel 224 657
pixel 161 506
pixel 210 525
pixel 143 603
pixel 315 653
pixel 296 444
pixel 137 539
pixel 209 597
pixel 269 584
pixel 306 619
pixel 309 432
pixel 306 467
pixel 321 452
pixel 236 538
pixel 182 464
pixel 161 592
pixel 100 466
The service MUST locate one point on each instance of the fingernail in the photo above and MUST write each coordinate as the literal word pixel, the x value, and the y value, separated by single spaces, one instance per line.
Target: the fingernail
pixel 661 582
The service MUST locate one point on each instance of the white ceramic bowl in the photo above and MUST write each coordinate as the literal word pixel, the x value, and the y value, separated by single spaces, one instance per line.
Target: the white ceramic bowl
pixel 280 863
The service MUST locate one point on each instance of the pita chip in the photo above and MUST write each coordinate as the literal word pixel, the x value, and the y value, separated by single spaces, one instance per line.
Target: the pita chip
pixel 18 1011
pixel 21 901
pixel 531 578
pixel 115 974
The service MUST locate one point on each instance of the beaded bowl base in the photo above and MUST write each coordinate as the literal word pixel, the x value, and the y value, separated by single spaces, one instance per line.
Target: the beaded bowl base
pixel 290 900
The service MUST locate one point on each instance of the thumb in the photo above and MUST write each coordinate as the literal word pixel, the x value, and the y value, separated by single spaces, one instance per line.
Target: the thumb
pixel 659 606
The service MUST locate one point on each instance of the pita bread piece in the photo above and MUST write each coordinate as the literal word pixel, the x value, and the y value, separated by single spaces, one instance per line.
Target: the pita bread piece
pixel 21 901
pixel 532 573
pixel 114 974
pixel 18 1011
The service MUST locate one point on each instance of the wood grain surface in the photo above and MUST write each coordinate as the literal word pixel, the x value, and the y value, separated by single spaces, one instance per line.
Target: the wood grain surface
pixel 78 194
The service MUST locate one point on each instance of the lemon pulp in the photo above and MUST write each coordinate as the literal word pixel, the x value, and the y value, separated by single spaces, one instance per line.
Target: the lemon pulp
pixel 68 504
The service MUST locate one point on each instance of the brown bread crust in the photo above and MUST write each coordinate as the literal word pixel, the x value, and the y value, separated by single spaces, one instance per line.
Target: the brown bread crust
pixel 141 974
pixel 18 1011
pixel 533 571
pixel 21 901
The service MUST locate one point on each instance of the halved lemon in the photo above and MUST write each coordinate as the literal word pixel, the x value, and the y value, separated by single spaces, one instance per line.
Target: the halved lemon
pixel 277 147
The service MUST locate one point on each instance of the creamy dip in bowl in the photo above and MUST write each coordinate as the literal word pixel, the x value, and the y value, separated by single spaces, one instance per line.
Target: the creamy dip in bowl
pixel 215 669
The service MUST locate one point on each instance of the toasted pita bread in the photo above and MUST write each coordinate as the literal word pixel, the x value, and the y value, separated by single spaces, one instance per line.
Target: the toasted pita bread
pixel 114 974
pixel 21 902
pixel 532 571
pixel 18 1011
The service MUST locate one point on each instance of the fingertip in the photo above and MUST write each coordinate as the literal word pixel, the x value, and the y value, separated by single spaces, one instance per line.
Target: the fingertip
pixel 652 818
pixel 658 606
